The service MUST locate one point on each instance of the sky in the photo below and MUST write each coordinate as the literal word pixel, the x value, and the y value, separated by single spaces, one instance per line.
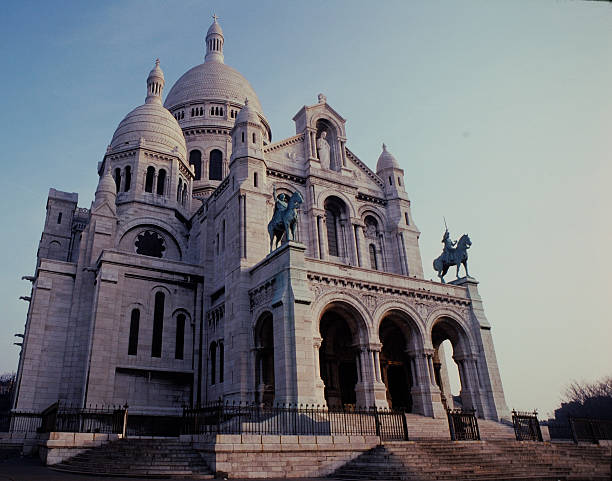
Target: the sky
pixel 499 112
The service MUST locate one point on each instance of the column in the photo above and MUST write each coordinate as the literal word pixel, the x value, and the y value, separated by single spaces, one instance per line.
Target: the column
pixel 377 365
pixel 322 237
pixel 313 142
pixel 383 253
pixel 343 152
pixel 357 247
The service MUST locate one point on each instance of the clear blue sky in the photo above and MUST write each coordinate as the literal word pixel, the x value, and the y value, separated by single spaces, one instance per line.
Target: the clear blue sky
pixel 499 112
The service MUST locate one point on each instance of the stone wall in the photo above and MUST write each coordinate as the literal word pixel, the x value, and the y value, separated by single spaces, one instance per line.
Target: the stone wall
pixel 255 456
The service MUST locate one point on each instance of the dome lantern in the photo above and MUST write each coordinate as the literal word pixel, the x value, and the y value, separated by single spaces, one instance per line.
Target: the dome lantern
pixel 155 85
pixel 214 42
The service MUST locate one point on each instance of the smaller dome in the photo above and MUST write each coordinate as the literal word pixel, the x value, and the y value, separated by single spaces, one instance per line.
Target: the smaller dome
pixel 386 160
pixel 247 114
pixel 153 126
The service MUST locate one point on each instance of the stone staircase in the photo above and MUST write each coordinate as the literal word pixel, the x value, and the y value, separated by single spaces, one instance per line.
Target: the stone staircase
pixel 480 460
pixel 151 458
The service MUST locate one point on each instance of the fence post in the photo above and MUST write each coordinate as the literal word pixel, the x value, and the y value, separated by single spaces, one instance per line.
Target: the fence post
pixel 573 429
pixel 125 420
pixel 405 426
pixel 377 421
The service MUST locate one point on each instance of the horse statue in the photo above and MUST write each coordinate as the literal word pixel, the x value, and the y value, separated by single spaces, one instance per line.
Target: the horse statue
pixel 453 256
pixel 283 224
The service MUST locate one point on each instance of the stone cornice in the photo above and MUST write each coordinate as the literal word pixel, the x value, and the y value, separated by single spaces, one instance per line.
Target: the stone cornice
pixel 284 175
pixel 345 283
pixel 370 198
pixel 284 143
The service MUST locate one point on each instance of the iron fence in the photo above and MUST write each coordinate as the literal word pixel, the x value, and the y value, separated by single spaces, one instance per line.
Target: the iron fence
pixel 526 426
pixel 463 425
pixel 560 430
pixel 20 421
pixel 92 419
pixel 590 430
pixel 220 418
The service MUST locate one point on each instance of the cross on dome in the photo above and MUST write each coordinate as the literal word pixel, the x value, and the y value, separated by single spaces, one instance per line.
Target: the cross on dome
pixel 214 42
pixel 215 17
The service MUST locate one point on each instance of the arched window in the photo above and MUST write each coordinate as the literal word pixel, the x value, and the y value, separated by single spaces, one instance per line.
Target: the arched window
pixel 178 191
pixel 255 179
pixel 221 361
pixel 201 110
pixel 221 114
pixel 149 179
pixel 117 179
pixel 158 325
pixel 399 181
pixel 195 159
pixel 128 179
pixel 184 199
pixel 213 362
pixel 59 218
pixel 134 326
pixel 373 259
pixel 253 137
pixel 390 181
pixel 215 165
pixel 161 181
pixel 406 217
pixel 180 336
pixel 243 137
pixel 212 111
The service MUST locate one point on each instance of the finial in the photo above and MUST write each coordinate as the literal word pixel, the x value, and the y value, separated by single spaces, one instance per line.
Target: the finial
pixel 322 99
pixel 157 62
pixel 384 147
pixel 215 17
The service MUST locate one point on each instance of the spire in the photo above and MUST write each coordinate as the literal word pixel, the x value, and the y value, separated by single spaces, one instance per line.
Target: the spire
pixel 155 84
pixel 214 42
pixel 107 189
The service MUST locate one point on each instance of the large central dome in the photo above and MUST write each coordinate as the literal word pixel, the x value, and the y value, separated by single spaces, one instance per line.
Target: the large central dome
pixel 212 80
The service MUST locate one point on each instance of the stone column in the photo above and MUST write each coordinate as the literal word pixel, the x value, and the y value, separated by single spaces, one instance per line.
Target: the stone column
pixel 426 399
pixel 357 247
pixel 319 385
pixel 322 237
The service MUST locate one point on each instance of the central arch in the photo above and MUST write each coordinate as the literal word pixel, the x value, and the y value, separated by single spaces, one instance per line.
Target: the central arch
pixel 341 332
pixel 399 337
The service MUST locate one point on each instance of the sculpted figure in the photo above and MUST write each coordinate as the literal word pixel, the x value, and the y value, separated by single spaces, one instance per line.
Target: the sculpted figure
pixel 452 256
pixel 323 150
pixel 283 224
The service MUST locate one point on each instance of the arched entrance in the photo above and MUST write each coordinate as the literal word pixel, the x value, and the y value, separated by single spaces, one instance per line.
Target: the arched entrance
pixel 264 359
pixel 395 366
pixel 447 329
pixel 338 355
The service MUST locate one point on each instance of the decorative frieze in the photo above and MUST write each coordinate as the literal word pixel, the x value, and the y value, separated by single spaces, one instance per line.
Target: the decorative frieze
pixel 261 294
pixel 283 175
pixel 370 198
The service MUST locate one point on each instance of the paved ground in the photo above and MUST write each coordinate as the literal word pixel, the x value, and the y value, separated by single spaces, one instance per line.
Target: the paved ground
pixel 31 469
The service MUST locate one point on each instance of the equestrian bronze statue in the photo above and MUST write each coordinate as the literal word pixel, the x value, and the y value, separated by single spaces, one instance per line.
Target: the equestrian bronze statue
pixel 283 225
pixel 454 254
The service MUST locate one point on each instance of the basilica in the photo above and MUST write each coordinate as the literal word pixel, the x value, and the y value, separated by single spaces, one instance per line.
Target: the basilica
pixel 177 287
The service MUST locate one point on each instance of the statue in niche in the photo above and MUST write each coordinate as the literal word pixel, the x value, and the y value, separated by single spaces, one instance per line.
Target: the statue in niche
pixel 283 225
pixel 324 151
pixel 454 254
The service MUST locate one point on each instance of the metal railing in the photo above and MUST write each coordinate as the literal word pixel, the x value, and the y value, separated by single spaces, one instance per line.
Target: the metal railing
pixel 92 419
pixel 463 425
pixel 20 422
pixel 526 426
pixel 220 418
pixel 590 430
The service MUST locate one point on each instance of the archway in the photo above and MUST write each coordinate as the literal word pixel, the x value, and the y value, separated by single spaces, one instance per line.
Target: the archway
pixel 336 218
pixel 397 337
pixel 450 342
pixel 264 359
pixel 338 355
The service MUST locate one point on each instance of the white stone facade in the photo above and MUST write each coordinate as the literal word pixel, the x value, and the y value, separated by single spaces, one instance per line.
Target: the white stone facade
pixel 164 293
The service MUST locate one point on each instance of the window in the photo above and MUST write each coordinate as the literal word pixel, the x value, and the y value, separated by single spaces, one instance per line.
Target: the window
pixel 128 179
pixel 150 243
pixel 161 182
pixel 406 217
pixel 59 218
pixel 255 179
pixel 149 179
pixel 215 165
pixel 331 219
pixel 117 179
pixel 180 336
pixel 195 159
pixel 399 181
pixel 253 137
pixel 213 362
pixel 221 361
pixel 158 325
pixel 223 234
pixel 373 259
pixel 134 326
pixel 178 191
pixel 390 181
pixel 243 137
